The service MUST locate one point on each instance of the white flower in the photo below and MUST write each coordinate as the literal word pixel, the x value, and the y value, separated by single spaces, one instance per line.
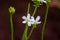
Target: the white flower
pixel 35 21
pixel 30 20
pixel 27 19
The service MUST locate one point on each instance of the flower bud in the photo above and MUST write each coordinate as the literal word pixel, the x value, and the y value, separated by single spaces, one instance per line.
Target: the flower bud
pixel 11 10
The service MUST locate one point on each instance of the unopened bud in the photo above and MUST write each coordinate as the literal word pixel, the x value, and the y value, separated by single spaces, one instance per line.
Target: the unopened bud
pixel 11 10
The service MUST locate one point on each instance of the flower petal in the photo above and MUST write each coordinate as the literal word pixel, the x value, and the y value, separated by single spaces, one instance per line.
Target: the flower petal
pixel 24 17
pixel 32 22
pixel 32 18
pixel 44 1
pixel 29 23
pixel 38 18
pixel 28 16
pixel 24 22
pixel 38 22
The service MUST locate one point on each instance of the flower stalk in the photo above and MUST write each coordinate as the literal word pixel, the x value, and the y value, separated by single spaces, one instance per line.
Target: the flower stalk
pixel 36 6
pixel 12 29
pixel 45 20
pixel 34 11
pixel 43 27
pixel 33 25
pixel 28 8
pixel 24 36
pixel 31 32
pixel 11 11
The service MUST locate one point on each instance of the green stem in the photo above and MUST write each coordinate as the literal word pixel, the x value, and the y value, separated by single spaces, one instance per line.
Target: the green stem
pixel 43 27
pixel 28 8
pixel 30 32
pixel 34 11
pixel 24 37
pixel 33 25
pixel 12 31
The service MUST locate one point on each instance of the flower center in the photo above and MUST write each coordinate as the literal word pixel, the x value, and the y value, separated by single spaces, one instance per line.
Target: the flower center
pixel 27 20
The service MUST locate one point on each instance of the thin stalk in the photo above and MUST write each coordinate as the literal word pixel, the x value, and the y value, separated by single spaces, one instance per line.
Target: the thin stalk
pixel 24 37
pixel 12 30
pixel 28 8
pixel 30 32
pixel 34 11
pixel 43 27
pixel 33 25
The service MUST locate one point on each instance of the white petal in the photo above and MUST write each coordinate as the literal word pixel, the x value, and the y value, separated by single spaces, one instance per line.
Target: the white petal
pixel 32 22
pixel 38 22
pixel 32 18
pixel 29 23
pixel 24 22
pixel 28 16
pixel 24 17
pixel 38 18
pixel 44 1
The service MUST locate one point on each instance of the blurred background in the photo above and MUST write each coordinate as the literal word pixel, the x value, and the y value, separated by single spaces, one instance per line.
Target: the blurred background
pixel 52 31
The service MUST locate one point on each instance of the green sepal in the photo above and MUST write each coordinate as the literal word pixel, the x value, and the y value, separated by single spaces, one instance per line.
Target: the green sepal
pixel 36 3
pixel 48 2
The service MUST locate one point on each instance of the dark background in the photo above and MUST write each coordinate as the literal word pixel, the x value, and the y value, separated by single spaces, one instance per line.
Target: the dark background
pixel 52 31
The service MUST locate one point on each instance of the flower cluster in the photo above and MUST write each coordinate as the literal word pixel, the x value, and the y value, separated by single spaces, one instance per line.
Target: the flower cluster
pixel 37 3
pixel 31 20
